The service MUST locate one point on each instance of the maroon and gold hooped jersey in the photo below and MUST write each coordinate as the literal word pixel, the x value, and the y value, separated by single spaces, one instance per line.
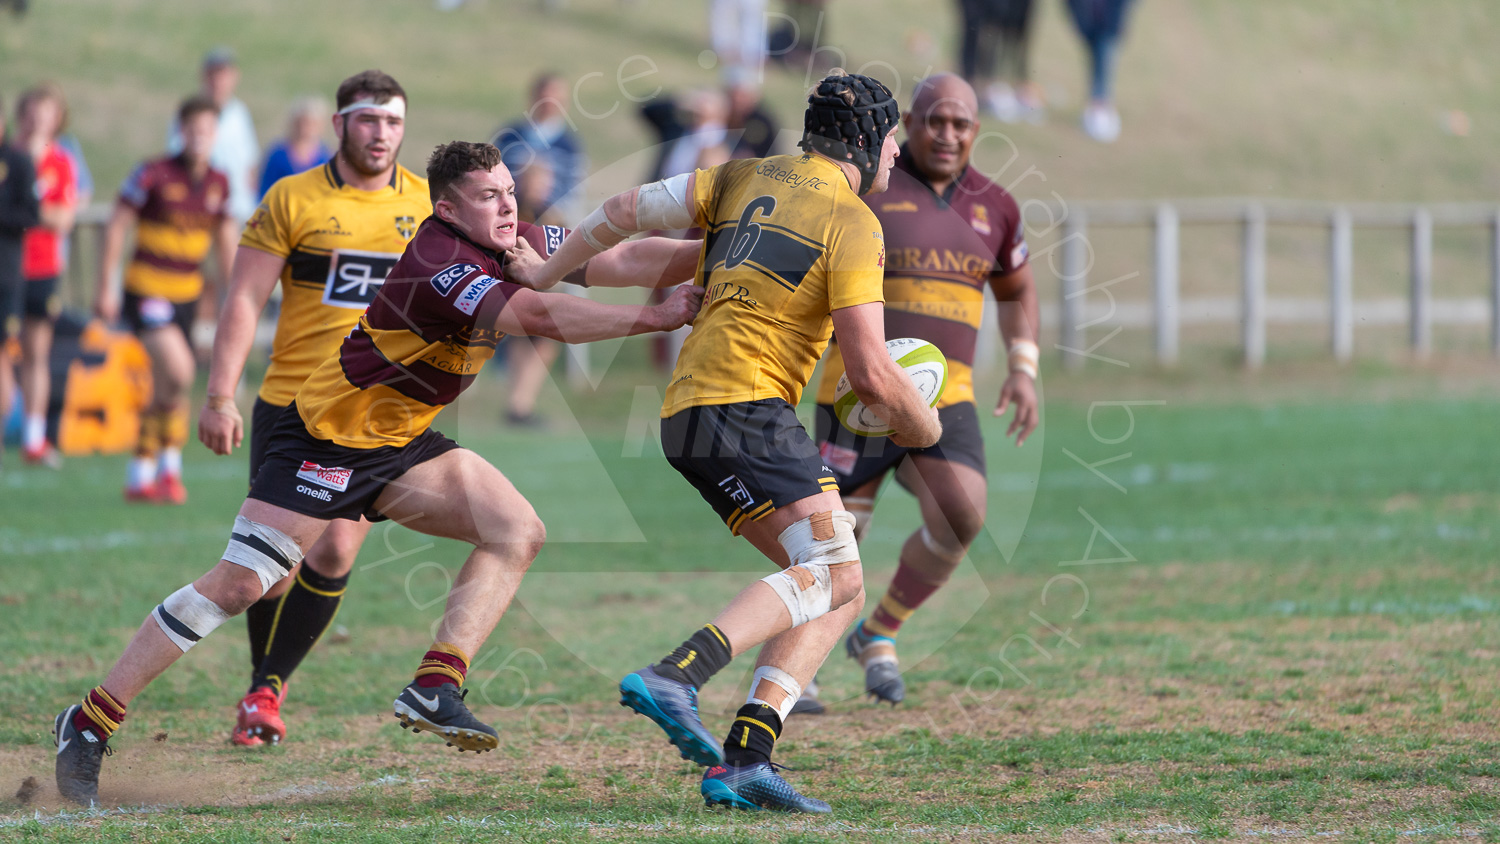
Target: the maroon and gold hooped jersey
pixel 176 218
pixel 422 341
pixel 940 253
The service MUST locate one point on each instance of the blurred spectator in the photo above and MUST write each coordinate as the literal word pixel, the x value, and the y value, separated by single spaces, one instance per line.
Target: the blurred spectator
pixel 236 152
pixel 995 38
pixel 691 133
pixel 752 128
pixel 302 148
pixel 792 41
pixel 545 135
pixel 1100 23
pixel 39 120
pixel 737 34
pixel 529 359
pixel 18 212
pixel 83 177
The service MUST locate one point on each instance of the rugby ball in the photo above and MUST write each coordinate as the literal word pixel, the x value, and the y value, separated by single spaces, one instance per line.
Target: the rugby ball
pixel 924 364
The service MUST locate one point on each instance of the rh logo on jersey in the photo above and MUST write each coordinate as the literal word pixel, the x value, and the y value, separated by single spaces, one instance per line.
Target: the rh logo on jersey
pixel 445 280
pixel 355 277
pixel 554 235
pixel 468 300
pixel 406 226
pixel 335 479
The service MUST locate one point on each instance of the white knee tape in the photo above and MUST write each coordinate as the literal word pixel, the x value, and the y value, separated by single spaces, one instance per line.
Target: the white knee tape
pixel 939 550
pixel 776 677
pixel 813 544
pixel 262 549
pixel 186 616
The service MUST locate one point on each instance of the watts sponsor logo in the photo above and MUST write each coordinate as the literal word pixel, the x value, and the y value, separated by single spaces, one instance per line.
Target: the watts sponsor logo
pixel 335 479
pixel 904 205
pixel 729 292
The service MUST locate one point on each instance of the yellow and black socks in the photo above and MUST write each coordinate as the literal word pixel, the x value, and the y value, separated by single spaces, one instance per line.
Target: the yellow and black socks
pixel 100 713
pixel 445 663
pixel 753 735
pixel 699 658
pixel 288 628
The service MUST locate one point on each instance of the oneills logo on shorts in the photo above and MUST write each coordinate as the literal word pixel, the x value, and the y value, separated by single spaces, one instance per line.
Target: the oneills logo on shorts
pixel 334 479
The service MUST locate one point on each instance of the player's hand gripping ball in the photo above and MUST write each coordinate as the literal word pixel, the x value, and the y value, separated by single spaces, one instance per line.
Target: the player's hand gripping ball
pixel 924 364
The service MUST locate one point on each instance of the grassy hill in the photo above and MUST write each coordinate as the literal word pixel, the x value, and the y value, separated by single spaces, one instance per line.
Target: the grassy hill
pixel 1343 99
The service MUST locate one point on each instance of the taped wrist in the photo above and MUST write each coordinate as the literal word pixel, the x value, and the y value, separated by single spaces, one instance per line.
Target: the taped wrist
pixel 1024 356
pixel 816 544
pixel 186 617
pixel 262 549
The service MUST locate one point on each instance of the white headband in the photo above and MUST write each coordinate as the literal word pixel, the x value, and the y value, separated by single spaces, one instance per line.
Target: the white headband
pixel 395 106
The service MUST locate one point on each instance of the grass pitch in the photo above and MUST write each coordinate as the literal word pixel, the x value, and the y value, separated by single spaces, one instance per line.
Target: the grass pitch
pixel 1274 617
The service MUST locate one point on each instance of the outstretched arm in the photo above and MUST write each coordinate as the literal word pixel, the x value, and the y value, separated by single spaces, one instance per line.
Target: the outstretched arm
pixel 649 262
pixel 574 319
pixel 666 205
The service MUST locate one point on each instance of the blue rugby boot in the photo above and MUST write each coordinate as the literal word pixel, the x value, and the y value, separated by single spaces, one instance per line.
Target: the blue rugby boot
pixel 673 706
pixel 755 787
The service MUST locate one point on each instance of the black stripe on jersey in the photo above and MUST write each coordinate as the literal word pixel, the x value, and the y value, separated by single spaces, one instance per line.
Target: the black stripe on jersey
pixel 307 265
pixel 955 340
pixel 331 173
pixel 784 259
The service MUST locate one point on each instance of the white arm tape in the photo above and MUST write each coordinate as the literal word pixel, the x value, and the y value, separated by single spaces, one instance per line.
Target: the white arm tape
pixel 186 617
pixel 663 205
pixel 806 586
pixel 594 220
pixel 262 549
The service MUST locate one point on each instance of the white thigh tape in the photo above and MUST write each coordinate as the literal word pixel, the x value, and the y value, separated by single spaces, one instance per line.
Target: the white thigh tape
pixel 863 510
pixel 186 616
pixel 262 549
pixel 805 548
pixel 787 683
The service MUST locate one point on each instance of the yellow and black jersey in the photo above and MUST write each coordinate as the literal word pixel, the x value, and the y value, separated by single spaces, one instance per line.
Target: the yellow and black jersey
pixel 787 241
pixel 339 244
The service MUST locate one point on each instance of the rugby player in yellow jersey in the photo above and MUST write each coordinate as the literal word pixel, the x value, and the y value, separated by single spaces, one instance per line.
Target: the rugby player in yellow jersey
pixel 949 232
pixel 329 236
pixel 357 442
pixel 791 254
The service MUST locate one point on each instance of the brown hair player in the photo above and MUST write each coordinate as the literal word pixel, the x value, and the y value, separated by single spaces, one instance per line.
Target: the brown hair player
pixel 329 236
pixel 178 207
pixel 949 232
pixel 357 443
